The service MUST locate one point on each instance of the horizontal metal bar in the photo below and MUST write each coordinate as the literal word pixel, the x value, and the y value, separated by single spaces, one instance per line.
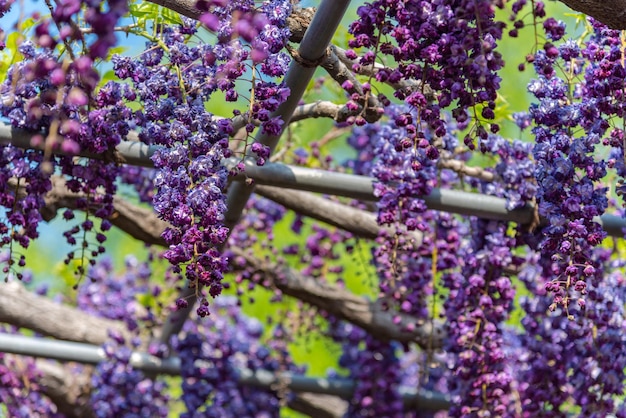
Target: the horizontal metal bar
pixel 90 354
pixel 338 184
pixel 81 353
pixel 306 179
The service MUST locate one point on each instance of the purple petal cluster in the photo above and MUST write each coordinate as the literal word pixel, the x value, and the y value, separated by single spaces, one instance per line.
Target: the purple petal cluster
pixel 374 366
pixel 255 228
pixel 100 18
pixel 514 171
pixel 20 393
pixel 120 390
pixel 212 353
pixel 50 97
pixel 191 180
pixel 20 214
pixel 568 173
pixel 481 297
pixel 412 237
pixel 114 296
pixel 481 293
pixel 447 45
pixel 579 360
pixel 5 7
pixel 603 86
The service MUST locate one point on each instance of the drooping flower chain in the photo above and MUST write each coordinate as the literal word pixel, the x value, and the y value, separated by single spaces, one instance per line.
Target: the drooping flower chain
pixel 568 175
pixel 191 179
pixel 56 97
pixel 445 46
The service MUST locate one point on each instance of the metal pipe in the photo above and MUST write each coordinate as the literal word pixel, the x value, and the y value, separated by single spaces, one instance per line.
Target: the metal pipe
pixel 306 179
pixel 340 184
pixel 91 354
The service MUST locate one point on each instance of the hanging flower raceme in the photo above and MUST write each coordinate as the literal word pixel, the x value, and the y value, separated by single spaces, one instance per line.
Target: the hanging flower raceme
pixel 59 101
pixel 173 80
pixel 568 174
pixel 213 354
pixel 447 48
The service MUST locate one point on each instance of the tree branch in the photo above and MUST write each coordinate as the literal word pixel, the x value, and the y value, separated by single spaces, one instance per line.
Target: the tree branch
pixel 319 406
pixel 69 391
pixel 71 394
pixel 184 7
pixel 610 12
pixel 321 109
pixel 298 21
pixel 370 71
pixel 24 309
pixel 358 222
pixel 343 304
pixel 338 70
pixel 140 223
pixel 462 168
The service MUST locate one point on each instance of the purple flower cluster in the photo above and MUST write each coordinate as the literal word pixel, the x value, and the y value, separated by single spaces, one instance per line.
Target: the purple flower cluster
pixel 101 19
pixel 255 228
pixel 553 27
pixel 413 238
pixel 578 360
pixel 603 86
pixel 246 31
pixel 214 350
pixel 21 215
pixel 115 296
pixel 373 365
pixel 481 297
pixel 173 80
pixel 322 250
pixel 120 390
pixel 5 6
pixel 568 174
pixel 20 393
pixel 446 45
pixel 599 340
pixel 59 100
pixel 514 171
pixel 481 294
pixel 260 217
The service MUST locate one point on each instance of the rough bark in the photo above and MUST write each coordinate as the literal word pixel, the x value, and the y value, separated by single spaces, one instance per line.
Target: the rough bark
pixel 345 305
pixel 143 224
pixel 341 303
pixel 319 406
pixel 140 223
pixel 297 22
pixel 69 391
pixel 612 13
pixel 358 222
pixel 23 309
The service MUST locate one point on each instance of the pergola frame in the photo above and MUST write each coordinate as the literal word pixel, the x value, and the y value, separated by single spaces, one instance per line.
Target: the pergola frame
pixel 312 47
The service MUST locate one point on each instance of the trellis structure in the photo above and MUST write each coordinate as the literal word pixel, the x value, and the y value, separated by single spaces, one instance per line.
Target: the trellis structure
pixel 311 52
pixel 90 354
pixel 337 184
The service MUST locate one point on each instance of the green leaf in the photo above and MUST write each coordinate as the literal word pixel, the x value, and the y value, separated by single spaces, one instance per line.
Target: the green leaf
pixel 118 50
pixel 145 12
pixel 27 24
pixel 10 54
